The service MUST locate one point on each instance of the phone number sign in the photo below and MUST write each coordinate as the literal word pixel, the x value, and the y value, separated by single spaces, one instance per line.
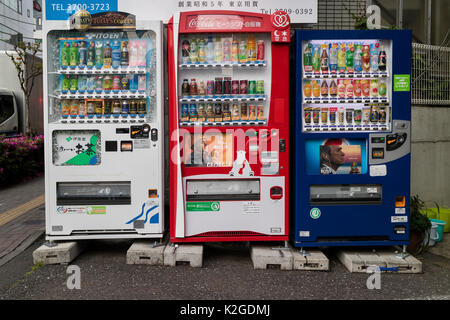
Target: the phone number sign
pixel 63 9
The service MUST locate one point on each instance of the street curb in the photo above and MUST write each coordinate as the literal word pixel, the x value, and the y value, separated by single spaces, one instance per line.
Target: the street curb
pixel 22 247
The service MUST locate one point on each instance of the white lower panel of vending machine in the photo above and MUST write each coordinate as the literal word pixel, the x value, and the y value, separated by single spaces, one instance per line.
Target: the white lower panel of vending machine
pixel 248 206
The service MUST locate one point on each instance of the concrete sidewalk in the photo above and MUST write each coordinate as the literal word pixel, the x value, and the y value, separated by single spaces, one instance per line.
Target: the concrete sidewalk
pixel 22 217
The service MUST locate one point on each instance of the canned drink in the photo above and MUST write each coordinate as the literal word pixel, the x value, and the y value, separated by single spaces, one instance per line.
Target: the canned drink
pixel 358 116
pixel 261 112
pixel 185 88
pixel 227 85
pixel 108 106
pixel 210 87
pixel 184 111
pixel 307 116
pixel 316 115
pixel 366 115
pixel 235 112
pixel 243 87
pixel 193 110
pixel 217 112
pixel 260 50
pixel 382 114
pixel 324 115
pixel 209 112
pixel 98 108
pixel 349 116
pixel 252 112
pixel 125 83
pixel 218 86
pixel 116 83
pixel 333 115
pixel 81 108
pixel 90 108
pixel 226 113
pixel 116 107
pixel 244 115
pixel 133 107
pixel 374 114
pixel 142 107
pixel 260 87
pixel 125 107
pixel 65 107
pixel 252 87
pixel 201 113
pixel 235 87
pixel 107 83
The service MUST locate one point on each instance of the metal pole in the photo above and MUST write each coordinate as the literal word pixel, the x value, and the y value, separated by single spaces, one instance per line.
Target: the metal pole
pixel 429 2
pixel 400 14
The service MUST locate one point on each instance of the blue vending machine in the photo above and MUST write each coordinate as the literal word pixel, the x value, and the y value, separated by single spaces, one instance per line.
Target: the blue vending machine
pixel 352 138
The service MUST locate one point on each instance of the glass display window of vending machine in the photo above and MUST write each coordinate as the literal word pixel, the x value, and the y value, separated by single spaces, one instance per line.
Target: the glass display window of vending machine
pixel 104 128
pixel 352 138
pixel 229 126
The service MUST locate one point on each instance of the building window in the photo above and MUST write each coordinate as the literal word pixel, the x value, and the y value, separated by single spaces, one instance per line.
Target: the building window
pixel 15 5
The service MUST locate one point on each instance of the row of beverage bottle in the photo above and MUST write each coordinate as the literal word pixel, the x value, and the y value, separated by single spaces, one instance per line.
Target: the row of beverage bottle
pixel 90 83
pixel 332 58
pixel 222 49
pixel 345 88
pixel 99 107
pixel 219 112
pixel 103 54
pixel 221 86
pixel 345 116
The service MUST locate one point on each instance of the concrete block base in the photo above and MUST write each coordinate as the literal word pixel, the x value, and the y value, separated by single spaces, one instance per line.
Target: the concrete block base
pixel 314 259
pixel 177 253
pixel 359 260
pixel 62 253
pixel 146 252
pixel 266 256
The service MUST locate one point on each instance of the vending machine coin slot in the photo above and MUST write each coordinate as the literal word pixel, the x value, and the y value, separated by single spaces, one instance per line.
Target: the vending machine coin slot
pixel 276 193
pixel 282 145
pixel 377 153
pixel 395 141
pixel 122 130
pixel 399 229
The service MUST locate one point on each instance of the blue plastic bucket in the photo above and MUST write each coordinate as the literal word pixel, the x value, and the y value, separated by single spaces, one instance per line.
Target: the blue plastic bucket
pixel 440 228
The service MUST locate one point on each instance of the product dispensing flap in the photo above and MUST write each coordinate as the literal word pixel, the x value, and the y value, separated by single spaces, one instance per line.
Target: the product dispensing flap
pixel 222 189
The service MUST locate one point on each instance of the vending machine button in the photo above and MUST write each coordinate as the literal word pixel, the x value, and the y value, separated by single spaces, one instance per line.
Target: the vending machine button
pixel 154 134
pixel 276 193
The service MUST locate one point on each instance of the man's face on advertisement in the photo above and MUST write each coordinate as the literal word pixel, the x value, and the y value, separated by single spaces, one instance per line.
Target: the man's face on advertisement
pixel 336 155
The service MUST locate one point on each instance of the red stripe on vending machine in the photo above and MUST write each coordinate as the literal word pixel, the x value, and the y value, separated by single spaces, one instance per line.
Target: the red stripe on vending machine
pixel 229 130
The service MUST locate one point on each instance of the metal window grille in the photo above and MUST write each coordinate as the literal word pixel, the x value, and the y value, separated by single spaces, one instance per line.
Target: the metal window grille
pixel 430 83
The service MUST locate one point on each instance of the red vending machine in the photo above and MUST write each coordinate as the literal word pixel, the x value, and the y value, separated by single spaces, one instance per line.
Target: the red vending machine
pixel 229 126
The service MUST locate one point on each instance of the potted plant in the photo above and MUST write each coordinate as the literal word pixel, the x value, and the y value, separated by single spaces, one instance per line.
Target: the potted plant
pixel 419 224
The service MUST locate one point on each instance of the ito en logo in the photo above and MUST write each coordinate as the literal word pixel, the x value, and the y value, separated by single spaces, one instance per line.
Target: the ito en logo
pixel 315 213
pixel 215 206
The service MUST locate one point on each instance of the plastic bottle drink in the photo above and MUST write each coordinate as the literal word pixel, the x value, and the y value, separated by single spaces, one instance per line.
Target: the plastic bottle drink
pixel 142 83
pixel 193 87
pixel 115 54
pixel 125 83
pixel 382 60
pixel 341 88
pixel 201 51
pixel 374 88
pixel 133 55
pixel 81 108
pixel 316 88
pixel 65 55
pixel 357 88
pixel 307 58
pixel 185 49
pixel 82 83
pixel 74 83
pixel 227 50
pixel 349 88
pixel 324 89
pixel 98 108
pixel 365 88
pixel 357 63
pixel 307 89
pixel 333 58
pixel 65 83
pixel 333 89
pixel 133 82
pixel 201 88
pixel 74 105
pixel 107 83
pixel 124 56
pixel 91 55
pixel 116 83
pixel 218 51
pixel 65 107
pixel 316 60
pixel 365 58
pixel 243 51
pixel 107 57
pixel 116 107
pixel 341 59
pixel 374 57
pixel 324 59
pixel 142 53
pixel 193 54
pixel 210 50
pixel 82 54
pixel 98 54
pixel 260 50
pixel 251 49
pixel 90 108
pixel 74 57
pixel 98 83
pixel 382 90
pixel 349 58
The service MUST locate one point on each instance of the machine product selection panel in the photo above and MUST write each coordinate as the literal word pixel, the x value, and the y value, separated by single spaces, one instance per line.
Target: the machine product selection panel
pixel 104 128
pixel 352 138
pixel 228 97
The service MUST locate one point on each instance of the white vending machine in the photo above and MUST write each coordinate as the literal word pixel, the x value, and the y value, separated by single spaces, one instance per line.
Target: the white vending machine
pixel 103 98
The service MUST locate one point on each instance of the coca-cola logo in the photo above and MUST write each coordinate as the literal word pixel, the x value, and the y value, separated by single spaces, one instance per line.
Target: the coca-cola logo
pixel 280 19
pixel 215 22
